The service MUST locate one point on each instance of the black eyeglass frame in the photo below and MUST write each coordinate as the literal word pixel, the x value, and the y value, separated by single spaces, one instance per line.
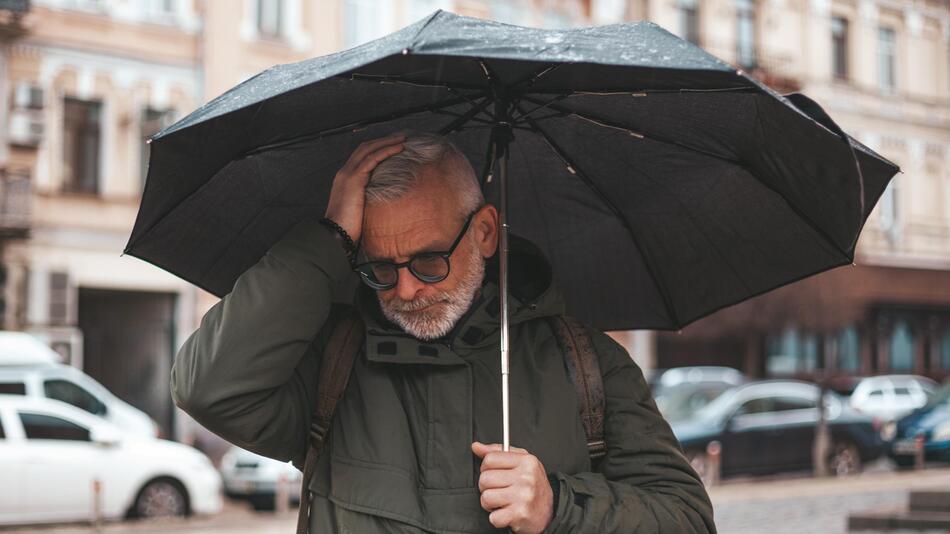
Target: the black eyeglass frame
pixel 365 269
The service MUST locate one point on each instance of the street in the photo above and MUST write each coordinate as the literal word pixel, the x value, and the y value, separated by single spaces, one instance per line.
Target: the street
pixel 815 506
pixel 776 506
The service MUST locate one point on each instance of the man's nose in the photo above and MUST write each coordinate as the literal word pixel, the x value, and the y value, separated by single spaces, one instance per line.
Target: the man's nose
pixel 407 285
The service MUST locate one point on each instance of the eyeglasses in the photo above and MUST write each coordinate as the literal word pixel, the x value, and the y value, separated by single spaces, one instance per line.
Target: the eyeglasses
pixel 428 267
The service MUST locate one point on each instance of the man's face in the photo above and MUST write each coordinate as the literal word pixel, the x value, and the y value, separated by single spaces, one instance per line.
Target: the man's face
pixel 428 220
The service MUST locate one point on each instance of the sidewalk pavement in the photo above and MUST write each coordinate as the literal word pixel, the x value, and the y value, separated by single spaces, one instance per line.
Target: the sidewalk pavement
pixel 821 506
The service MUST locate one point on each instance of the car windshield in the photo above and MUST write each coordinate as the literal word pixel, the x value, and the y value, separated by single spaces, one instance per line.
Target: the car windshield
pixel 682 402
pixel 720 408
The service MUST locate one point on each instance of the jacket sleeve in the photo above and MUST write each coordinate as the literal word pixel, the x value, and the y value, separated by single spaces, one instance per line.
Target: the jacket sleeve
pixel 243 374
pixel 644 484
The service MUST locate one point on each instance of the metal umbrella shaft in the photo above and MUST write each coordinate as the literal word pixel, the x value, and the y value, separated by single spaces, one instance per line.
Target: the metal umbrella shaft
pixel 501 137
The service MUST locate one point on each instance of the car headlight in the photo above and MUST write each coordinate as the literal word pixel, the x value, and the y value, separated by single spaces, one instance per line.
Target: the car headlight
pixel 941 432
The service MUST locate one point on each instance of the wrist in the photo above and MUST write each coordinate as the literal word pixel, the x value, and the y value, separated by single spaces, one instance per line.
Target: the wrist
pixel 342 237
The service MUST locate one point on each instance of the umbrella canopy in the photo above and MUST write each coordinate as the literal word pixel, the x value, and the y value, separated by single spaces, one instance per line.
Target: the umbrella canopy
pixel 662 183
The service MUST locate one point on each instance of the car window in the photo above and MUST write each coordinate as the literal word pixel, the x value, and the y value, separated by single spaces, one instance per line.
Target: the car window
pixel 901 390
pixel 68 392
pixel 39 426
pixel 876 394
pixel 2 435
pixel 12 388
pixel 760 405
pixel 789 402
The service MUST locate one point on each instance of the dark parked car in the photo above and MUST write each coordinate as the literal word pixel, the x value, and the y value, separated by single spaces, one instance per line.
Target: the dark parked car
pixel 684 400
pixel 769 426
pixel 932 422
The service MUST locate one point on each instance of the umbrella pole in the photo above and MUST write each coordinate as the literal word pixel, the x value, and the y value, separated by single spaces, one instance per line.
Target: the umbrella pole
pixel 501 137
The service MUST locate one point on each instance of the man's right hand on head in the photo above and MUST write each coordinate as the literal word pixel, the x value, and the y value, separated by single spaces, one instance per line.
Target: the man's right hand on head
pixel 347 196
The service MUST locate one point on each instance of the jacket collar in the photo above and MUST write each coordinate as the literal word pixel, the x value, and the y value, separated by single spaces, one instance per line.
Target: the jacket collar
pixel 533 295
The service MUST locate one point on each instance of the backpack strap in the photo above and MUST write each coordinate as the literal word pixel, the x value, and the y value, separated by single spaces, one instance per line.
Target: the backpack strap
pixel 343 345
pixel 582 365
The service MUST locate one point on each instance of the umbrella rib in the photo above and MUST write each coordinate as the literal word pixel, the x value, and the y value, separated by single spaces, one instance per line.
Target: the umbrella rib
pixel 577 171
pixel 607 123
pixel 387 78
pixel 347 128
pixel 645 92
pixel 468 115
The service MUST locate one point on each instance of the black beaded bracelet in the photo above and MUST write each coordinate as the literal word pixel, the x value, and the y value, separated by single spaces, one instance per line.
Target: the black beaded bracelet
pixel 348 245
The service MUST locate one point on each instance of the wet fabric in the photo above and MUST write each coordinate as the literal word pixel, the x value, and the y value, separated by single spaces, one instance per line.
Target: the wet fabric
pixel 662 183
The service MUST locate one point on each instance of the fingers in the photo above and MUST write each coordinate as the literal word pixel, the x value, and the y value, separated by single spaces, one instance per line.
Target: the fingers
pixel 502 517
pixel 496 478
pixel 503 460
pixel 367 147
pixel 371 160
pixel 481 449
pixel 492 499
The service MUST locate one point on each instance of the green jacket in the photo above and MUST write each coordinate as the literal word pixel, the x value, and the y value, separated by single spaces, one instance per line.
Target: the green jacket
pixel 398 456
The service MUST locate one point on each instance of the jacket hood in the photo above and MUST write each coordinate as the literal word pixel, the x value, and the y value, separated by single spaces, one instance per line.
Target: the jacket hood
pixel 533 294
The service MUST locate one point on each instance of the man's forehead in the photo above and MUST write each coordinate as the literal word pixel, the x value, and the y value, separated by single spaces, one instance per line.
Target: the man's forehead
pixel 402 229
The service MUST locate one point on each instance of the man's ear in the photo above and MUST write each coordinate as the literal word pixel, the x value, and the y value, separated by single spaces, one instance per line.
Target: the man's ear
pixel 486 230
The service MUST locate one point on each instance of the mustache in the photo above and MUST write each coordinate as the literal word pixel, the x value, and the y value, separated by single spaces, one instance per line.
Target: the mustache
pixel 398 304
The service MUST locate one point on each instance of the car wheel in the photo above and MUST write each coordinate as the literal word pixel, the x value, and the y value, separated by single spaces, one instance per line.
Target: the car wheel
pixel 162 497
pixel 845 460
pixel 699 461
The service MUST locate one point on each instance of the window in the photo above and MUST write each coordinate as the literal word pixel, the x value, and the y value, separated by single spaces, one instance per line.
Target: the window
pixel 70 393
pixel 37 426
pixel 839 47
pixel 153 121
pixel 902 346
pixel 849 350
pixel 789 402
pixel 761 405
pixel 688 15
pixel 745 33
pixel 81 140
pixel 886 57
pixel 887 220
pixel 365 20
pixel 12 388
pixel 269 15
pixel 2 434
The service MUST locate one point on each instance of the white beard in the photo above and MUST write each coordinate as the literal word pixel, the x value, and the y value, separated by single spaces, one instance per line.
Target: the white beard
pixel 449 306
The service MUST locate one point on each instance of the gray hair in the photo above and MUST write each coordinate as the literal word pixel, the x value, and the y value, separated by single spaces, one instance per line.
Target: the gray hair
pixel 396 175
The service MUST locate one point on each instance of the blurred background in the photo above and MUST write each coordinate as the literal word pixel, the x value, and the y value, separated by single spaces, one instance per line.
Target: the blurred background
pixel 854 358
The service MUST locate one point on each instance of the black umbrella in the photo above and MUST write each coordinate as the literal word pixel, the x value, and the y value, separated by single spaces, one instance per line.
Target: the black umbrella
pixel 662 183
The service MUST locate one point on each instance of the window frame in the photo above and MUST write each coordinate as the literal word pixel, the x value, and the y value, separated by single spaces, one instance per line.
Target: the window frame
pixel 82 146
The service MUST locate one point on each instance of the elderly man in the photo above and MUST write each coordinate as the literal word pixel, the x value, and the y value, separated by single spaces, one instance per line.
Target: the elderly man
pixel 412 445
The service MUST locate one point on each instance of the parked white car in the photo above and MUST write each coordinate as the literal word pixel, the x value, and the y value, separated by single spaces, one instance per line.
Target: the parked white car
pixel 255 478
pixel 890 397
pixel 53 455
pixel 21 348
pixel 65 383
